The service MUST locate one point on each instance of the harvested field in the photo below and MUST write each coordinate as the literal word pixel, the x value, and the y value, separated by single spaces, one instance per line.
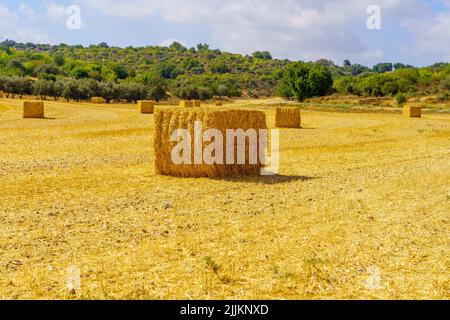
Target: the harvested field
pixel 359 197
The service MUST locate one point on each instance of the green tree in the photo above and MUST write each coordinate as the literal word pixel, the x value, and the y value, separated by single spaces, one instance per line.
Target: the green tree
pixel 264 55
pixel 307 80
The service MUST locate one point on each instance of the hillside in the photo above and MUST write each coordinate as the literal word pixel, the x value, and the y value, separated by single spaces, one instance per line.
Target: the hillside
pixel 218 73
pixel 79 73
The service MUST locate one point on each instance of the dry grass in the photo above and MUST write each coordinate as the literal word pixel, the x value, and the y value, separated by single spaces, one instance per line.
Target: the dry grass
pixel 412 112
pixel 33 109
pixel 98 100
pixel 167 121
pixel 357 192
pixel 146 106
pixel 287 118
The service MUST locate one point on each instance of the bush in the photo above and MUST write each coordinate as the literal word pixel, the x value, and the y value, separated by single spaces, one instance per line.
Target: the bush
pixel 306 80
pixel 445 83
pixel 401 99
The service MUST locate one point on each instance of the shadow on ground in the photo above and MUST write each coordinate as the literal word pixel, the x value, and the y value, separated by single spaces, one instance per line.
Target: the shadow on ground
pixel 276 179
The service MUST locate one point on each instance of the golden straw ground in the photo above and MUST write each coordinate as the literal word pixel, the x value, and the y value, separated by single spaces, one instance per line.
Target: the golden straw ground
pixel 357 193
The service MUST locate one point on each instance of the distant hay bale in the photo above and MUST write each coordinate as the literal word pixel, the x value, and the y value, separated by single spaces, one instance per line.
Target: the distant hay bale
pixel 167 121
pixel 412 111
pixel 33 109
pixel 146 106
pixel 98 100
pixel 186 104
pixel 288 118
pixel 197 103
pixel 219 103
pixel 1 94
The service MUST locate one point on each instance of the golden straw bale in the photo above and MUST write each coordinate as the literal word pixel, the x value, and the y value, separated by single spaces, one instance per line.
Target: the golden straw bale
pixel 167 121
pixel 98 100
pixel 146 106
pixel 412 111
pixel 197 103
pixel 288 118
pixel 186 104
pixel 1 94
pixel 219 103
pixel 33 109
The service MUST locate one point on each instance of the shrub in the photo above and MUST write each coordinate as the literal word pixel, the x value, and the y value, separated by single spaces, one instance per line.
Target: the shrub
pixel 401 99
pixel 307 80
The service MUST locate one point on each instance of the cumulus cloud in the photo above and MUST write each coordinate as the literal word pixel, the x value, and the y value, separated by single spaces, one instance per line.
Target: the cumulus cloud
pixel 16 26
pixel 296 29
pixel 432 36
pixel 289 28
pixel 56 12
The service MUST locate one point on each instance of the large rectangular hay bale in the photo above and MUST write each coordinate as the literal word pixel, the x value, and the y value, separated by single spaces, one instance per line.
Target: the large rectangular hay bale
pixel 98 100
pixel 288 118
pixel 412 111
pixel 146 106
pixel 33 109
pixel 167 121
pixel 186 104
pixel 1 94
pixel 197 103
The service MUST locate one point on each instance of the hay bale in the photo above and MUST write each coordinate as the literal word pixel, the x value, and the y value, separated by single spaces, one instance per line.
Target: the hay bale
pixel 412 111
pixel 167 121
pixel 288 118
pixel 98 100
pixel 219 103
pixel 186 104
pixel 33 109
pixel 1 94
pixel 146 106
pixel 197 103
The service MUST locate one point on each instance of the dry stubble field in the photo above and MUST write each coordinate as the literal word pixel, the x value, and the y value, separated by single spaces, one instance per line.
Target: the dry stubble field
pixel 360 198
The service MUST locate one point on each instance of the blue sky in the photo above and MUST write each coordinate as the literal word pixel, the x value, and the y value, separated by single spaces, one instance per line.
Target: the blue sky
pixel 412 31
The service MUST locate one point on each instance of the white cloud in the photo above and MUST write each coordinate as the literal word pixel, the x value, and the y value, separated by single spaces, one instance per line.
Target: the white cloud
pixel 432 35
pixel 16 27
pixel 288 28
pixel 56 12
pixel 27 12
pixel 127 9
